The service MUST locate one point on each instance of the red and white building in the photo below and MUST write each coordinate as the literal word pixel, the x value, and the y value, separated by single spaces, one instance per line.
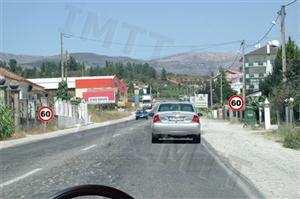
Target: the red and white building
pixel 235 79
pixel 101 90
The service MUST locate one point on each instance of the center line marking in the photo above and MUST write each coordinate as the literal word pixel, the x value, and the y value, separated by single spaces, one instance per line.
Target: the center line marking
pixel 89 147
pixel 116 135
pixel 20 177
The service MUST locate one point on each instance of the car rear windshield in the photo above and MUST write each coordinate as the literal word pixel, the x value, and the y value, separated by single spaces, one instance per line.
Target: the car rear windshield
pixel 176 107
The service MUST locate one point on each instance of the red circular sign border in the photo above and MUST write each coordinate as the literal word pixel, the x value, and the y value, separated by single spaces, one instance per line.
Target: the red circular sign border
pixel 238 97
pixel 42 107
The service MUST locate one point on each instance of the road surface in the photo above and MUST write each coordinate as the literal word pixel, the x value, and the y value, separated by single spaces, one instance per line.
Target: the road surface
pixel 121 156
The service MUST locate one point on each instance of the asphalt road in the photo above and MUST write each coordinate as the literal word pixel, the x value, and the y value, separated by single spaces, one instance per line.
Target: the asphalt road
pixel 121 156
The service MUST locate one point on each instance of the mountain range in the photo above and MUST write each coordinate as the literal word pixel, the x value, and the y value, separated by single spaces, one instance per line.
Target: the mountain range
pixel 191 63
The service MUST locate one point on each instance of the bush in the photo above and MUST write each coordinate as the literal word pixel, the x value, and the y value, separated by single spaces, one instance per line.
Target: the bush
pixel 6 122
pixel 292 139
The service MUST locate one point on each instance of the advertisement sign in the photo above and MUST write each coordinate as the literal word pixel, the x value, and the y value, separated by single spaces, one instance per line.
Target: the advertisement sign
pixel 99 97
pixel 201 100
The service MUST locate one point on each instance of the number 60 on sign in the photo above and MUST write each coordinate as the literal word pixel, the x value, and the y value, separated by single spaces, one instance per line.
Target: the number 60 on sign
pixel 235 102
pixel 45 114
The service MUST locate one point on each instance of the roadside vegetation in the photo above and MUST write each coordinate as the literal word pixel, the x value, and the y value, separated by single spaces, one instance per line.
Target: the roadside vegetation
pixel 98 115
pixel 288 135
pixel 6 122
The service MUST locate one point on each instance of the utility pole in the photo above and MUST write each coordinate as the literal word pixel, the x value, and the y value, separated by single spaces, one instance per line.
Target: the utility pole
pixel 282 33
pixel 66 62
pixel 244 77
pixel 61 56
pixel 210 90
pixel 243 71
pixel 221 89
pixel 82 68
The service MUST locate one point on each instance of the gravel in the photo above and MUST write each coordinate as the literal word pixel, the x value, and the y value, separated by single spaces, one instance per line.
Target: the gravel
pixel 274 170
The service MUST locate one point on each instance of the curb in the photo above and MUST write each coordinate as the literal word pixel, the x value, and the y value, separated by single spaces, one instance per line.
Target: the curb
pixel 38 137
pixel 242 181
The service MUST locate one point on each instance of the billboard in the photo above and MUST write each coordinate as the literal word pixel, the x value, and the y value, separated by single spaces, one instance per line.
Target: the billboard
pixel 200 100
pixel 99 97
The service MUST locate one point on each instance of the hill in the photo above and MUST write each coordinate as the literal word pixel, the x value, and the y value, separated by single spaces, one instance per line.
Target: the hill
pixel 192 63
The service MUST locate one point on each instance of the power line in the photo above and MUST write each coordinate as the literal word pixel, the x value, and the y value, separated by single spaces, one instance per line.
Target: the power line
pixel 267 31
pixel 271 26
pixel 217 45
pixel 292 2
pixel 67 35
pixel 236 57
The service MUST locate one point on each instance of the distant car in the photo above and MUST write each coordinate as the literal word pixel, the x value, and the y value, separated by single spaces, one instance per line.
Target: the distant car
pixel 141 114
pixel 175 119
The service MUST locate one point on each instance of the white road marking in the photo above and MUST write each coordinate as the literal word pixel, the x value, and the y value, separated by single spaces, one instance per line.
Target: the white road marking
pixel 19 178
pixel 116 135
pixel 89 147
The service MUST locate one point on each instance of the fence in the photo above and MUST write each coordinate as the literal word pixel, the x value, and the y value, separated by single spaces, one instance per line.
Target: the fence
pixel 69 115
pixel 25 114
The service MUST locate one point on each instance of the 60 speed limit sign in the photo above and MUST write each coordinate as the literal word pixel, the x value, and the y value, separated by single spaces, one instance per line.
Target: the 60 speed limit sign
pixel 236 103
pixel 45 114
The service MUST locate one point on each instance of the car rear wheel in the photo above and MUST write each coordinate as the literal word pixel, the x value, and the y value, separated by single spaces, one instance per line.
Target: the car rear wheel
pixel 197 138
pixel 155 138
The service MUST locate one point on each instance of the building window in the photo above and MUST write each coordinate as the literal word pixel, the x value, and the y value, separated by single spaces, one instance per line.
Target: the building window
pixel 255 75
pixel 247 75
pixel 246 64
pixel 255 64
pixel 255 86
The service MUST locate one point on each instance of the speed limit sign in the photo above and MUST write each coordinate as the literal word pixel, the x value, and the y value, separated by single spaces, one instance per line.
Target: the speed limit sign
pixel 45 114
pixel 236 103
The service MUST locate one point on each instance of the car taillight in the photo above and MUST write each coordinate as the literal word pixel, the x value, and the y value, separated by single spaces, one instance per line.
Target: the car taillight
pixel 156 119
pixel 196 119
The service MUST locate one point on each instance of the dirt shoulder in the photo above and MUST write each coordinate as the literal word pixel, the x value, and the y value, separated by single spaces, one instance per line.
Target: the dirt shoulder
pixel 273 169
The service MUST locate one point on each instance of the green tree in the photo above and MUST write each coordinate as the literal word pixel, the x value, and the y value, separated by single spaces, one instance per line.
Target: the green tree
pixel 30 73
pixel 226 88
pixel 273 86
pixel 3 64
pixel 72 64
pixel 14 67
pixel 292 73
pixel 62 91
pixel 163 74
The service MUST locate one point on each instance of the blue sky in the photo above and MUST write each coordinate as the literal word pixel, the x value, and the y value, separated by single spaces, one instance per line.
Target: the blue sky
pixel 33 27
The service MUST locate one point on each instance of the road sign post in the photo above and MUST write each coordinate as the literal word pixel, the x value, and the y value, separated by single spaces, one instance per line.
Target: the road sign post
pixel 236 103
pixel 45 114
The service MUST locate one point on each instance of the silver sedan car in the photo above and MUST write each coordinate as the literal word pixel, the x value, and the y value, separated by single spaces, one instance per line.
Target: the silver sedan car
pixel 176 120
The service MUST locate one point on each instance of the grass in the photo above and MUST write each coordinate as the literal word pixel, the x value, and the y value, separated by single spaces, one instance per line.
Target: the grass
pixel 102 116
pixel 287 135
